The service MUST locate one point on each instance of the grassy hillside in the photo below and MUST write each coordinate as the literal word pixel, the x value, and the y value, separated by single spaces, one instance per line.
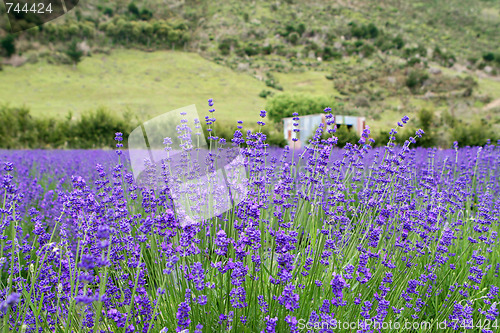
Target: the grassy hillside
pixel 146 84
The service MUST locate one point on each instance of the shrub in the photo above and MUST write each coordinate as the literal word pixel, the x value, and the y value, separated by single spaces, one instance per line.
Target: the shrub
pixel 145 14
pixel 412 61
pixel 289 28
pixel 420 50
pixel 445 58
pixel 369 31
pixel 264 93
pixel 398 42
pixel 226 44
pixel 272 82
pixel 74 53
pixel 268 49
pixel 18 129
pixel 251 49
pixel 9 44
pixel 426 118
pixel 359 43
pixel 367 50
pixel 346 135
pixel 372 31
pixel 489 56
pixel 328 53
pixel 381 138
pixel 133 9
pixel 415 79
pixel 497 58
pixel 384 44
pixel 293 38
pixel 301 28
pixel 93 128
pixel 108 12
pixel 472 60
pixel 474 134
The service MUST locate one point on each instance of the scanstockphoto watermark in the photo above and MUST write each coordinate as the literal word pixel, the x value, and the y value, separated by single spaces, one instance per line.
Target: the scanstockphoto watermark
pixel 170 152
pixel 342 326
pixel 397 326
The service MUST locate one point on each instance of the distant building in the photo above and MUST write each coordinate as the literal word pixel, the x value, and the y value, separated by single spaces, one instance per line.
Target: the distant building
pixel 308 125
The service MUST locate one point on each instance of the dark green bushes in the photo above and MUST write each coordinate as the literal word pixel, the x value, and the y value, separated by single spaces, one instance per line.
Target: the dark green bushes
pixel 345 135
pixel 291 28
pixel 473 134
pixel 18 129
pixel 132 8
pixel 415 79
pixel 74 53
pixel 96 129
pixel 491 57
pixel 264 93
pixel 442 131
pixel 369 31
pixel 8 44
pixel 444 58
pixel 121 29
pixel 272 82
pixel 226 44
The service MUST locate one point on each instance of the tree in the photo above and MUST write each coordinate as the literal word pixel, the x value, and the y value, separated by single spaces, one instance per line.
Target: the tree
pixel 475 133
pixel 398 42
pixel 372 31
pixel 489 56
pixel 108 12
pixel 301 28
pixel 74 53
pixel 9 44
pixel 416 79
pixel 426 121
pixel 284 105
pixel 293 38
pixel 345 135
pixel 146 14
pixel 132 8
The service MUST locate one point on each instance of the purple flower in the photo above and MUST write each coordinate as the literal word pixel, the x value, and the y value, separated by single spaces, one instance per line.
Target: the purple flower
pixel 238 297
pixel 271 324
pixel 10 301
pixel 183 320
pixel 338 284
pixel 8 166
pixel 289 299
pixel 199 328
pixel 263 304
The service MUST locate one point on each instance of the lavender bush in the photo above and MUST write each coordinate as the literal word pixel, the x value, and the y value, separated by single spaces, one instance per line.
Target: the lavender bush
pixel 324 237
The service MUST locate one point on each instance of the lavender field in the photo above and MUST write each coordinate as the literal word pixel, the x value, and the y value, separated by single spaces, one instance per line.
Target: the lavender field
pixel 358 239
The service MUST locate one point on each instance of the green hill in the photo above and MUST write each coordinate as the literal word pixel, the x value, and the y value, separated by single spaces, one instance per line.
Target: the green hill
pixel 379 60
pixel 147 84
